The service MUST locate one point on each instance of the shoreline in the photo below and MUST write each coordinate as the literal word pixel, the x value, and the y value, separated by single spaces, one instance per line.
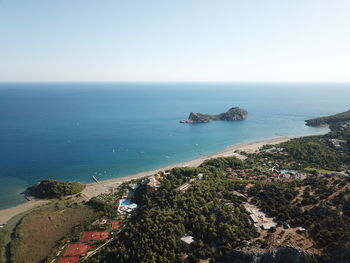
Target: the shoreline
pixel 107 186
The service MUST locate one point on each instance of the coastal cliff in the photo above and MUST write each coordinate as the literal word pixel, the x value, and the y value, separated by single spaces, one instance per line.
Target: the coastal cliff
pixel 280 255
pixel 233 114
pixel 288 254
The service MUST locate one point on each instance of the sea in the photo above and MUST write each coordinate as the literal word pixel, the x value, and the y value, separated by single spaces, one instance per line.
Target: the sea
pixel 73 131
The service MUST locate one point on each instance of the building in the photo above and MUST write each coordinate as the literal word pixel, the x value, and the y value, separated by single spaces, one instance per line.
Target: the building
pixel 154 182
pixel 183 187
pixel 187 239
pixel 200 176
pixel 267 226
pixel 301 230
pixel 337 144
pixel 254 218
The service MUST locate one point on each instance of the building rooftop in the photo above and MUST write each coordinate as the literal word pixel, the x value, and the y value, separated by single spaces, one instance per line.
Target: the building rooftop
pixel 187 239
pixel 267 226
pixel 183 187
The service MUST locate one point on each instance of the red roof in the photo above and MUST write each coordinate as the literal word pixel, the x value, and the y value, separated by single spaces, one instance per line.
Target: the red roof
pixel 116 224
pixel 77 249
pixel 98 235
pixel 69 260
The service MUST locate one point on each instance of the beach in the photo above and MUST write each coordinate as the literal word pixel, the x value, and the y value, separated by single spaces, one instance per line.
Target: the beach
pixel 107 186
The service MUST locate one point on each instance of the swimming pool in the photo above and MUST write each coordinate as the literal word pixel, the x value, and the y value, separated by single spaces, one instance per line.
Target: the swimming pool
pixel 125 202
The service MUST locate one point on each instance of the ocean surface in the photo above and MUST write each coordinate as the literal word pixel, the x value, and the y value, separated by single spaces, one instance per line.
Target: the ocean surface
pixel 72 131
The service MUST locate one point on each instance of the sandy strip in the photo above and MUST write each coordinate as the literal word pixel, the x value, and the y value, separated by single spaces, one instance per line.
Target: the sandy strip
pixel 8 213
pixel 106 186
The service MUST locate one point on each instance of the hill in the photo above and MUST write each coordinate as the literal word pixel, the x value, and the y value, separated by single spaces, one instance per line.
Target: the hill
pixel 335 120
pixel 50 188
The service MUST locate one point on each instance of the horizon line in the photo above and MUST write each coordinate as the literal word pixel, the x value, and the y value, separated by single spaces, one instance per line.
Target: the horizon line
pixel 172 82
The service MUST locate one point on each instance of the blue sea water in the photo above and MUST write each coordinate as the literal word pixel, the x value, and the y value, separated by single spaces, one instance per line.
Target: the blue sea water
pixel 72 131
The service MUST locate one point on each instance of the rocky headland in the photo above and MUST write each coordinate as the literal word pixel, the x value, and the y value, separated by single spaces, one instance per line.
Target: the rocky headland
pixel 233 114
pixel 283 254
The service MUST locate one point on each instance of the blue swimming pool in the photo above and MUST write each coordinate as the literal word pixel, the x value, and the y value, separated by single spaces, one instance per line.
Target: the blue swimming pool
pixel 125 203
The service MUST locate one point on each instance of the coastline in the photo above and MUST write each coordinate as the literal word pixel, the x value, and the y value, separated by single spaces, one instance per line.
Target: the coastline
pixel 107 186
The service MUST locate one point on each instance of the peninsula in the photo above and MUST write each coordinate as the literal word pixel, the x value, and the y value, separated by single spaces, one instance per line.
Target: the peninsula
pixel 340 120
pixel 233 114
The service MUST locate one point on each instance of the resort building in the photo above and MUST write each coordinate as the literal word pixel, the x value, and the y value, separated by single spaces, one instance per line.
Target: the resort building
pixel 183 187
pixel 258 217
pixel 267 226
pixel 337 144
pixel 253 218
pixel 200 176
pixel 155 182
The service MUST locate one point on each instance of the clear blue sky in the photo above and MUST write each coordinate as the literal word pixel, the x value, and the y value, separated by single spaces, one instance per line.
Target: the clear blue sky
pixel 175 40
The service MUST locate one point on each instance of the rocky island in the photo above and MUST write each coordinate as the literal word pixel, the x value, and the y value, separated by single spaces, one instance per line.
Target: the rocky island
pixel 233 114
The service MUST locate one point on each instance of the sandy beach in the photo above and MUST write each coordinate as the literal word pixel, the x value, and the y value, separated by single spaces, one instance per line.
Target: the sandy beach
pixel 106 186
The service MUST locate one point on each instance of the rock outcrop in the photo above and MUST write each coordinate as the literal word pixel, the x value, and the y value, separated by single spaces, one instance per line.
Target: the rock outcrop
pixel 232 114
pixel 284 254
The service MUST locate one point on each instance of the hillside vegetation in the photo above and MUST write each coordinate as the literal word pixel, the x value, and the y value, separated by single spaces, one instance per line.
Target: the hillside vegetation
pixel 208 211
pixel 330 120
pixel 37 233
pixel 55 189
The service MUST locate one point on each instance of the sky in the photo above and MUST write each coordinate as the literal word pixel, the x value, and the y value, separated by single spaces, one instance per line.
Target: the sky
pixel 175 40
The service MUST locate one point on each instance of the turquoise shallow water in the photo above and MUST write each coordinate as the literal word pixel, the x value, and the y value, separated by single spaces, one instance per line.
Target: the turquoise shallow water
pixel 73 131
